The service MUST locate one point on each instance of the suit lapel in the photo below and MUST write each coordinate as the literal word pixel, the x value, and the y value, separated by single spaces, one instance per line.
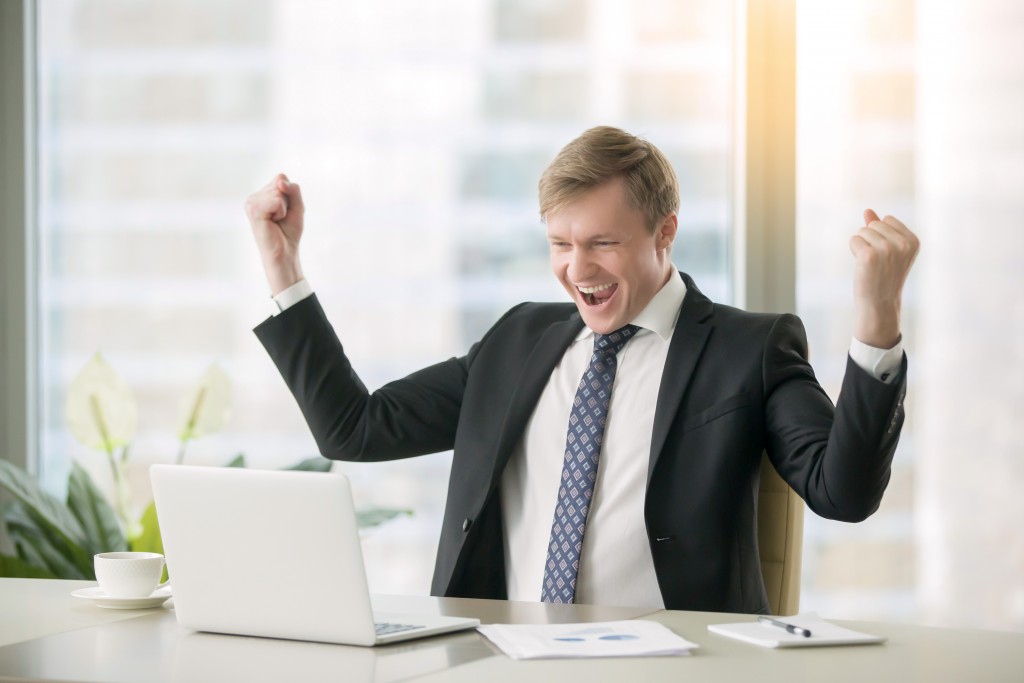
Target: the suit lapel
pixel 535 375
pixel 688 340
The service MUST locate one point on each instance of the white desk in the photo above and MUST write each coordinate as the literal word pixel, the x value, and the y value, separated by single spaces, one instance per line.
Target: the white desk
pixel 48 635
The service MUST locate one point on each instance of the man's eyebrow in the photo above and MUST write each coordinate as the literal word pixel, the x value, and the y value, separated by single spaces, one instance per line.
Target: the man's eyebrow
pixel 600 237
pixel 606 236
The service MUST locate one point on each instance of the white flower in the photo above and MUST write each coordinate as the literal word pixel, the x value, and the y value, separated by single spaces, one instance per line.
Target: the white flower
pixel 100 407
pixel 207 407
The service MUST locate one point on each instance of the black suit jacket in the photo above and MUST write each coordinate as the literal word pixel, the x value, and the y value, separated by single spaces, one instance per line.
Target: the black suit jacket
pixel 735 385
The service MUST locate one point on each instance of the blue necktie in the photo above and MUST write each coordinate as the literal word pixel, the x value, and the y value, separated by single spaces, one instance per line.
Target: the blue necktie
pixel 579 469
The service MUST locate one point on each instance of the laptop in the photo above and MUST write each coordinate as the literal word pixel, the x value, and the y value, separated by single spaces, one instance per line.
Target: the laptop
pixel 273 554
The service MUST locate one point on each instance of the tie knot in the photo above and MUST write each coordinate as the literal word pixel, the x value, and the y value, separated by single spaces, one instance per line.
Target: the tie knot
pixel 613 342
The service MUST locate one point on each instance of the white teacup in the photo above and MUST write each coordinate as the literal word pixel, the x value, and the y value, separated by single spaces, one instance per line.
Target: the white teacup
pixel 128 575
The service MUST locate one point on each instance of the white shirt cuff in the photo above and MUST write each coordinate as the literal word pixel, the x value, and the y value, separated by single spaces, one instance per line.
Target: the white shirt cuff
pixel 291 296
pixel 882 364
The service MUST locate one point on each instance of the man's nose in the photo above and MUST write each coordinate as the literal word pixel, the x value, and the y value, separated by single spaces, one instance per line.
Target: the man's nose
pixel 580 265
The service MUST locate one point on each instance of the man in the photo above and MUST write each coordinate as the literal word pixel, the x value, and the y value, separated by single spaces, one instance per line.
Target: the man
pixel 564 490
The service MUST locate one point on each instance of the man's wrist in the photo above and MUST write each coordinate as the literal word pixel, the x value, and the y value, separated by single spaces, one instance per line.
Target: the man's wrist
pixel 877 325
pixel 282 274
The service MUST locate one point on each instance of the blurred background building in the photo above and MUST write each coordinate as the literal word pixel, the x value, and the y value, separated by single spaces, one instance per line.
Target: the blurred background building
pixel 418 131
pixel 856 148
pixel 917 109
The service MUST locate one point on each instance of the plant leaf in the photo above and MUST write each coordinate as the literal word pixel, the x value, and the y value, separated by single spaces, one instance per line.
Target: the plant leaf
pixel 37 545
pixel 103 533
pixel 15 568
pixel 28 554
pixel 100 407
pixel 46 511
pixel 237 461
pixel 372 517
pixel 207 408
pixel 317 464
pixel 149 541
pixel 25 553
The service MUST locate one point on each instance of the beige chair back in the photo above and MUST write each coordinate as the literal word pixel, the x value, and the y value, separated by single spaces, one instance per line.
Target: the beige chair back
pixel 780 537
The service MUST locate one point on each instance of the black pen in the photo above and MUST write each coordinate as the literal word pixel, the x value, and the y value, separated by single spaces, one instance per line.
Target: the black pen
pixel 795 630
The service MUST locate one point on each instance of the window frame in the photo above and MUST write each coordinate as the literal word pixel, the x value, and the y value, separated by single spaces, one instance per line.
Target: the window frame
pixel 764 192
pixel 19 360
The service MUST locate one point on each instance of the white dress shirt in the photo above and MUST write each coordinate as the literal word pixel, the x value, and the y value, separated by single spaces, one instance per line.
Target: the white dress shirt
pixel 616 566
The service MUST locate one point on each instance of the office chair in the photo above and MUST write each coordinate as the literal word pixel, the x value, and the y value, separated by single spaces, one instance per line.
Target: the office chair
pixel 780 539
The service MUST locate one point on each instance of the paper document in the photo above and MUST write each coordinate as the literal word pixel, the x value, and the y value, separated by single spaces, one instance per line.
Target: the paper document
pixel 601 639
pixel 822 633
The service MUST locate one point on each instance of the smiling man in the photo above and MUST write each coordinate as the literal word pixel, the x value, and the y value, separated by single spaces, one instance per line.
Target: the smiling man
pixel 606 257
pixel 607 451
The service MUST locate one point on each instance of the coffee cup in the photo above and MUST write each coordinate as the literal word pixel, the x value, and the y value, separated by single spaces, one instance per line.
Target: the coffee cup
pixel 129 575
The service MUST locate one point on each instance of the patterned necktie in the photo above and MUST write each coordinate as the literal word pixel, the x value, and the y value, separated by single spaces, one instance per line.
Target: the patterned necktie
pixel 579 470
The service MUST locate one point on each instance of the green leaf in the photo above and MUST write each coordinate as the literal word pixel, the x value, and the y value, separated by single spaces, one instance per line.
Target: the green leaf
pixel 372 517
pixel 49 513
pixel 15 568
pixel 28 554
pixel 237 461
pixel 149 541
pixel 312 465
pixel 8 513
pixel 37 545
pixel 99 522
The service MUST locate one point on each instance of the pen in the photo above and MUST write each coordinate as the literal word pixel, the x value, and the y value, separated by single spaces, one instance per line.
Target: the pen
pixel 795 630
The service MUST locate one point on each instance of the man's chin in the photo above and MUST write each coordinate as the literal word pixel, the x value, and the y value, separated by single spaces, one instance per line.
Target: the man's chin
pixel 602 322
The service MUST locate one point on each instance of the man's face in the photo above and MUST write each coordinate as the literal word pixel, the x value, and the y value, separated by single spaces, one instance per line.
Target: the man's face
pixel 606 258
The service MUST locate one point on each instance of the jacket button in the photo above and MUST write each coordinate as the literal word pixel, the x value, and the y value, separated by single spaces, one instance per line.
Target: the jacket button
pixel 466 523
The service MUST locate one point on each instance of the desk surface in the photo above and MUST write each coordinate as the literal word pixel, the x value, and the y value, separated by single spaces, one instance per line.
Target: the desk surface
pixel 48 635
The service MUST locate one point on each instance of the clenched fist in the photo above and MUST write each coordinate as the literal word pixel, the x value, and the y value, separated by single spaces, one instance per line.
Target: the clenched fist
pixel 275 213
pixel 884 250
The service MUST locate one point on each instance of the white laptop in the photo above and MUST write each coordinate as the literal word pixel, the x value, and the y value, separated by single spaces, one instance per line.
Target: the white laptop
pixel 273 554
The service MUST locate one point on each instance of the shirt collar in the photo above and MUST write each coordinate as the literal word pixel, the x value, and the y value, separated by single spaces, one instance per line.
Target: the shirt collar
pixel 661 312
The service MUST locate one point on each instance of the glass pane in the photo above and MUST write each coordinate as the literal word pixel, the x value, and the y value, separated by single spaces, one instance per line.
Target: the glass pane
pixel 418 131
pixel 914 109
pixel 855 114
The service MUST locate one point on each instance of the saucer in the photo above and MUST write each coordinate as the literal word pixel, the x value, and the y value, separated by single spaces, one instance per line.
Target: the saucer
pixel 101 599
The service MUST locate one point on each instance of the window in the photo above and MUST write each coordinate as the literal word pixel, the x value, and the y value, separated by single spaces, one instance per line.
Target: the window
pixel 914 109
pixel 418 132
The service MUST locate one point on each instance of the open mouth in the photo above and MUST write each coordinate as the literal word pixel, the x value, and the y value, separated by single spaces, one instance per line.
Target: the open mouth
pixel 598 295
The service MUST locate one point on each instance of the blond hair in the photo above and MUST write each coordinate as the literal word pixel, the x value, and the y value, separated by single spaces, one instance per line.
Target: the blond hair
pixel 601 154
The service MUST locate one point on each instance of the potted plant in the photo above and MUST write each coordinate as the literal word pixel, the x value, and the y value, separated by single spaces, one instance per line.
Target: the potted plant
pixel 56 538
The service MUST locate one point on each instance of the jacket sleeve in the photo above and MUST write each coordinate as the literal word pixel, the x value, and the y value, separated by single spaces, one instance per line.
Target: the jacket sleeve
pixel 412 416
pixel 838 460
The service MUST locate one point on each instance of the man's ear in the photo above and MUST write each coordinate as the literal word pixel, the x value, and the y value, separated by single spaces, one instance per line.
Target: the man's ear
pixel 666 233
